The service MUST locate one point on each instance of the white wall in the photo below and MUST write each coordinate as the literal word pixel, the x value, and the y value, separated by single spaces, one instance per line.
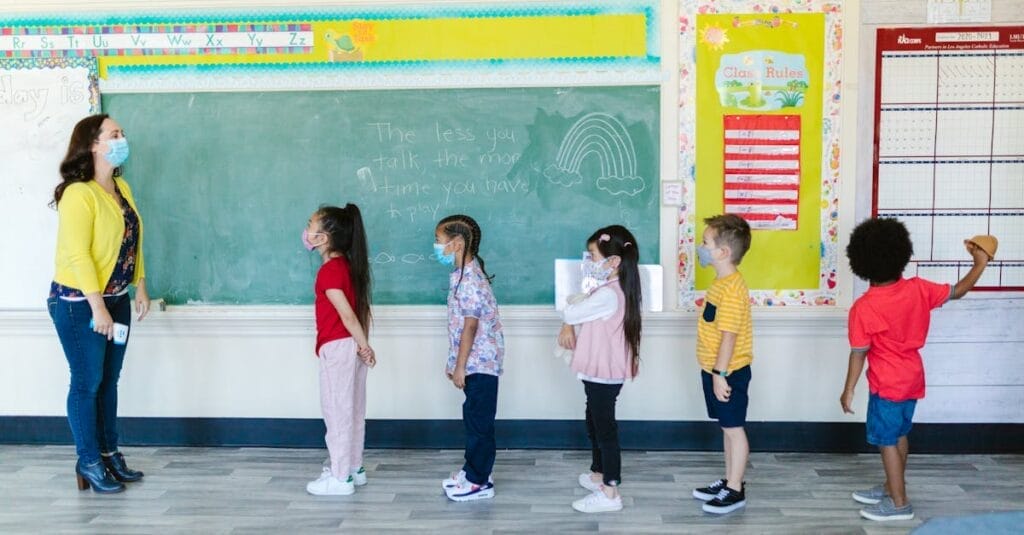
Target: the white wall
pixel 257 361
pixel 974 360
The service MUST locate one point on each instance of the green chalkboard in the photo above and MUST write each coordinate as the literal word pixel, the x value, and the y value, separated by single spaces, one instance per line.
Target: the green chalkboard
pixel 226 181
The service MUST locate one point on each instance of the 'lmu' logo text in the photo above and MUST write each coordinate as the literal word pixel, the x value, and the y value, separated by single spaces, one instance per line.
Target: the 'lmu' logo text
pixel 904 40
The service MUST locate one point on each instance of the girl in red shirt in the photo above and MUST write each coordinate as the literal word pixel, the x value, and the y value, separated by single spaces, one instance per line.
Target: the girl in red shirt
pixel 342 305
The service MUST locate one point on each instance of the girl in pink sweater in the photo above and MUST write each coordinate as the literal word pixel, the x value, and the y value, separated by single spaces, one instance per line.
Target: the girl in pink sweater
pixel 603 330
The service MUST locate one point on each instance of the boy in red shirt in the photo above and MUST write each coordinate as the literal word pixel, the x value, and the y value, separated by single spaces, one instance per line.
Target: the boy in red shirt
pixel 888 325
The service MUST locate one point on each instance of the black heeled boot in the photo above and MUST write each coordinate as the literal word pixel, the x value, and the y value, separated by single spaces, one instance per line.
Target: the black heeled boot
pixel 116 466
pixel 95 475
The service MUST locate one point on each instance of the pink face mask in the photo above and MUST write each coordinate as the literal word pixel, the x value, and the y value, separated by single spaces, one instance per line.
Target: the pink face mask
pixel 305 239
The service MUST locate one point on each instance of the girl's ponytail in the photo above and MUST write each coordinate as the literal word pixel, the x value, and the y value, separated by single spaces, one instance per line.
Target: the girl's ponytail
pixel 359 263
pixel 347 235
pixel 617 240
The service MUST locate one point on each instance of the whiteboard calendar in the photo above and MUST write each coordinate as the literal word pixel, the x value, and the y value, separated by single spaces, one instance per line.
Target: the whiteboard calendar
pixel 949 146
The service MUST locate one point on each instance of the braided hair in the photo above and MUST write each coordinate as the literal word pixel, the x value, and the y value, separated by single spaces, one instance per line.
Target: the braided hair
pixel 460 225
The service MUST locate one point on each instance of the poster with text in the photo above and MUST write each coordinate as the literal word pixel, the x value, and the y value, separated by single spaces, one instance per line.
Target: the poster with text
pixel 759 102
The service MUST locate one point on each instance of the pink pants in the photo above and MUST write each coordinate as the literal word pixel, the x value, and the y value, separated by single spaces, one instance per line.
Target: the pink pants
pixel 343 402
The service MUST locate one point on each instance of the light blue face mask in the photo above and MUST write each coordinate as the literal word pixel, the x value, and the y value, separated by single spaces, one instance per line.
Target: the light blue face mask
pixel 117 152
pixel 444 259
pixel 704 256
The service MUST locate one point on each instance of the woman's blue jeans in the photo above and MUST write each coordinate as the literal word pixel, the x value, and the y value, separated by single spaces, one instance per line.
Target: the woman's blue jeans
pixel 95 364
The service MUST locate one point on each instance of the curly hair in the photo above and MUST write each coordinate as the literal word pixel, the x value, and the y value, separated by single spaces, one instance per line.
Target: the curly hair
pixel 879 249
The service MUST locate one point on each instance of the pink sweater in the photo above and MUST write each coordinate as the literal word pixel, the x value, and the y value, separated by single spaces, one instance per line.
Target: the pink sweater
pixel 601 349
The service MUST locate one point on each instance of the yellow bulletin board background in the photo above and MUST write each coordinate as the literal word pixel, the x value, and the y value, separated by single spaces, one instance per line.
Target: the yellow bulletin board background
pixel 777 258
pixel 600 35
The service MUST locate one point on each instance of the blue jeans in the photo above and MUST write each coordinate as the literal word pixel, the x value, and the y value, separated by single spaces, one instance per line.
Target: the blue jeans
pixel 95 366
pixel 478 416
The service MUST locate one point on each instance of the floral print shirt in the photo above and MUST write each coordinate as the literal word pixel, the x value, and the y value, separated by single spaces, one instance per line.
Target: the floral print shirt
pixel 470 295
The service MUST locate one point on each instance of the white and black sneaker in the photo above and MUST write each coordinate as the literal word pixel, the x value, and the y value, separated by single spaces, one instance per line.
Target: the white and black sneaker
pixel 467 491
pixel 458 478
pixel 726 501
pixel 709 492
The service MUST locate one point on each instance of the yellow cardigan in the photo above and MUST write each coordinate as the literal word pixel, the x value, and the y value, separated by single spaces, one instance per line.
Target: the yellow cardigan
pixel 89 236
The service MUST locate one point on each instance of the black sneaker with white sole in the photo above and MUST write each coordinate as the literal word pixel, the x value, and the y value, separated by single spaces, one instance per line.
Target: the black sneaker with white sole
pixel 726 501
pixel 709 492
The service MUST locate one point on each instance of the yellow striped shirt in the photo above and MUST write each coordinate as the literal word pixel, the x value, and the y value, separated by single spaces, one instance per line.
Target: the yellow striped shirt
pixel 726 309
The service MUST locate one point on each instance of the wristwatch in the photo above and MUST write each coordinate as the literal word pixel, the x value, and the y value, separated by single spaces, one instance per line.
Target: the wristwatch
pixel 719 372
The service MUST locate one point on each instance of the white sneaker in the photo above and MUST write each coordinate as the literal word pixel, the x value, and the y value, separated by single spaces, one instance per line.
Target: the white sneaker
pixel 454 480
pixel 328 485
pixel 597 502
pixel 359 477
pixel 588 483
pixel 467 491
pixel 458 478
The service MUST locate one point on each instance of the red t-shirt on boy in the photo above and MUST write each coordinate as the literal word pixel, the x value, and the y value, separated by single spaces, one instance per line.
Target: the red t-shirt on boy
pixel 891 324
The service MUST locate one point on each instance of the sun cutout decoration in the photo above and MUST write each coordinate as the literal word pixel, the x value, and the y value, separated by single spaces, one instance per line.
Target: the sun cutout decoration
pixel 714 37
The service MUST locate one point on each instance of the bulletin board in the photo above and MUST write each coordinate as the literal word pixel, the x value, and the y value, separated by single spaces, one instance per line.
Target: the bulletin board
pixel 949 146
pixel 759 137
pixel 351 47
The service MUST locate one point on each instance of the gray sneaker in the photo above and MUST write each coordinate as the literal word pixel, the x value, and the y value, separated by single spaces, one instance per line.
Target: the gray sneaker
pixel 871 496
pixel 886 510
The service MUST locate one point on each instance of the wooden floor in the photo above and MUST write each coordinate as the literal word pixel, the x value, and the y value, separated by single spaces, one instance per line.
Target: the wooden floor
pixel 256 490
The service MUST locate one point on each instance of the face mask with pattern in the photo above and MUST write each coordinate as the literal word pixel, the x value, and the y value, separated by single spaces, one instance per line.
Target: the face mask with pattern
pixel 595 273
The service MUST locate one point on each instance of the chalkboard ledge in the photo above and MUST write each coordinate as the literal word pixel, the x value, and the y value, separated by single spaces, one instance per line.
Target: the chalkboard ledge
pixel 418 320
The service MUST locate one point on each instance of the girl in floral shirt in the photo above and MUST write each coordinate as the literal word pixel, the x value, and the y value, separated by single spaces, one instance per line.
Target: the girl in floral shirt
pixel 477 348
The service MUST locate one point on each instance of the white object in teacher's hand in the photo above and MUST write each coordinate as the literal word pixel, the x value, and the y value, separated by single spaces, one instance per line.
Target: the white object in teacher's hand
pixel 120 332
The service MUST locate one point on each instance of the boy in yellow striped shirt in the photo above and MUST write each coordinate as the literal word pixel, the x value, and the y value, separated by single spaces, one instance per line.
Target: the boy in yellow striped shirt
pixel 724 352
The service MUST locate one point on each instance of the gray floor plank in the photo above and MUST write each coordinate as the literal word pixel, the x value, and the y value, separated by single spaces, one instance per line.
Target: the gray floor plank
pixel 262 490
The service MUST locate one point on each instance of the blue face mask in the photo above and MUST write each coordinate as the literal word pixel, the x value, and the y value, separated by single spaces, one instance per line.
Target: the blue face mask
pixel 704 256
pixel 444 259
pixel 117 152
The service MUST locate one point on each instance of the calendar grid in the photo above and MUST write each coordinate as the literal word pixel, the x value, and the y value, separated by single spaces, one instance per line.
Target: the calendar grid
pixel 949 146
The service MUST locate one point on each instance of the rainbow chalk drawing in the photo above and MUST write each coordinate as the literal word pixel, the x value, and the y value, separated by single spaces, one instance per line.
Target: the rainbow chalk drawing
pixel 605 137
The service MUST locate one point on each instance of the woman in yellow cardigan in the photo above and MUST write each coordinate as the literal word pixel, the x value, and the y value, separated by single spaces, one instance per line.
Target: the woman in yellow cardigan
pixel 99 254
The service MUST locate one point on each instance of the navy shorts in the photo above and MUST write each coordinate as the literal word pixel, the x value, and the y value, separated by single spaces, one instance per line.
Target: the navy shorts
pixel 732 413
pixel 887 421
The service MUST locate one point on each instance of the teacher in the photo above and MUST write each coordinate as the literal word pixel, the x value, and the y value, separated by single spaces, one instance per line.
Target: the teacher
pixel 99 254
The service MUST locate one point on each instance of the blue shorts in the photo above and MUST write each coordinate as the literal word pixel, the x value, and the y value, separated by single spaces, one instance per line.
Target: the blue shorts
pixel 732 413
pixel 889 420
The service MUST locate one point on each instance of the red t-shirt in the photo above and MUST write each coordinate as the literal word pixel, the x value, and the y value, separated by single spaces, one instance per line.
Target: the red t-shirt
pixel 891 323
pixel 333 275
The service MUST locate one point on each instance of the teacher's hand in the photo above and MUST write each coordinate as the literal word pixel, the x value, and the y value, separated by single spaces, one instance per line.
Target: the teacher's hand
pixel 141 301
pixel 102 323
